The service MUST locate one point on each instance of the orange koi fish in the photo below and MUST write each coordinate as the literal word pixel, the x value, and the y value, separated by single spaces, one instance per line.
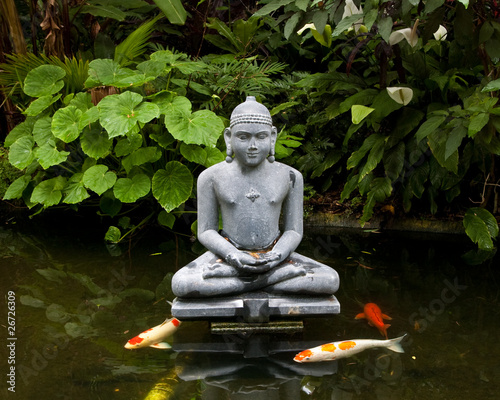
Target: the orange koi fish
pixel 337 350
pixel 375 317
pixel 153 337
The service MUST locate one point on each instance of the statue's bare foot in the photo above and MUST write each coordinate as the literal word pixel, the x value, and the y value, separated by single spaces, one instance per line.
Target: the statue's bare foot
pixel 279 274
pixel 219 270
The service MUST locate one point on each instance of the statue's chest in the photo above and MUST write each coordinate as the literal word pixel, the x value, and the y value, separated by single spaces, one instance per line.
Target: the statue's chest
pixel 250 194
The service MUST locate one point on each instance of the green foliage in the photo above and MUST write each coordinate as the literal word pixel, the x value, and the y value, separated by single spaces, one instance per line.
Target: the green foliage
pixel 71 149
pixel 131 136
pixel 408 109
pixel 481 227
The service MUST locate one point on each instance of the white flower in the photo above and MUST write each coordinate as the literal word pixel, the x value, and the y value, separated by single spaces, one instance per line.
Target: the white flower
pixel 406 33
pixel 410 34
pixel 306 26
pixel 441 33
pixel 351 9
pixel 401 95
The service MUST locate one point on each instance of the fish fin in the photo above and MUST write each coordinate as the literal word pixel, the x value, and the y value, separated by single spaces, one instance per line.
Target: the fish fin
pixel 395 344
pixel 360 315
pixel 161 346
pixel 385 316
pixel 383 330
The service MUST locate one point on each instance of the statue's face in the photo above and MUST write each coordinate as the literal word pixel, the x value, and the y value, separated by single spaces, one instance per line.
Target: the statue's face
pixel 251 143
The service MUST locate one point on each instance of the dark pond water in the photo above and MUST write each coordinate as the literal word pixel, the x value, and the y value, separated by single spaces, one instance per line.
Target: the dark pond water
pixel 77 301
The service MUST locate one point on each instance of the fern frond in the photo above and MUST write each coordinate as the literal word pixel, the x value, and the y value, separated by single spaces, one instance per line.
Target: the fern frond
pixel 136 43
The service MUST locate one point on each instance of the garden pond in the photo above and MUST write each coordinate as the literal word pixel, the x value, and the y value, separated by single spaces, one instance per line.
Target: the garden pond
pixel 74 301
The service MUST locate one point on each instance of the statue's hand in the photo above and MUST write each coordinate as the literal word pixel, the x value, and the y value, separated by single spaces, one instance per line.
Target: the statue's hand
pixel 272 258
pixel 253 262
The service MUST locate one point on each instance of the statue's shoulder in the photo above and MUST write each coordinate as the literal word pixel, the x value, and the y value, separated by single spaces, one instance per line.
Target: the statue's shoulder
pixel 214 171
pixel 289 171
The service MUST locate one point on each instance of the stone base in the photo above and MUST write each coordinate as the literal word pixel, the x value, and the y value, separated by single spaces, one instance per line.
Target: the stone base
pixel 258 307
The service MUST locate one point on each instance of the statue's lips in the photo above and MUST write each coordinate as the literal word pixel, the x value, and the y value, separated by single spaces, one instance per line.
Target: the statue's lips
pixel 252 155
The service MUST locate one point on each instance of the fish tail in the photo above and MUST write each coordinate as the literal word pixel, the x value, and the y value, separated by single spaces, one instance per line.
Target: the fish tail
pixel 395 344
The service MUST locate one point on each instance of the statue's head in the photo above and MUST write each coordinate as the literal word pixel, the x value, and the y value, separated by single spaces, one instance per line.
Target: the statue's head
pixel 251 136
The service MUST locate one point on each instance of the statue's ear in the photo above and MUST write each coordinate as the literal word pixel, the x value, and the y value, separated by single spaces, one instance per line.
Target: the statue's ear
pixel 274 136
pixel 227 136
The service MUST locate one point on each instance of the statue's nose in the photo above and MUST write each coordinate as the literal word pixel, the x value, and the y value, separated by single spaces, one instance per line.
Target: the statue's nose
pixel 252 144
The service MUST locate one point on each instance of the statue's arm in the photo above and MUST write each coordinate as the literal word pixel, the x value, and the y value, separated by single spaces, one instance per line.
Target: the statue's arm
pixel 292 216
pixel 208 216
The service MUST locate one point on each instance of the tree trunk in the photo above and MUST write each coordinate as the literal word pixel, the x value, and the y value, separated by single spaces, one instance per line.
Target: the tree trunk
pixel 11 18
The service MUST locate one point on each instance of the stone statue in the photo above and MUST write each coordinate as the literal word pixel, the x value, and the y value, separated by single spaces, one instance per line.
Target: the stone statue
pixel 251 192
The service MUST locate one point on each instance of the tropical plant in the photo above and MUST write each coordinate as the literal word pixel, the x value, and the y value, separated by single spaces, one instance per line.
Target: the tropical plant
pixel 402 102
pixel 129 135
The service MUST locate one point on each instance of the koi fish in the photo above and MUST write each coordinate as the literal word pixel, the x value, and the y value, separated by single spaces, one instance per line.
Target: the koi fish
pixel 347 348
pixel 153 337
pixel 375 317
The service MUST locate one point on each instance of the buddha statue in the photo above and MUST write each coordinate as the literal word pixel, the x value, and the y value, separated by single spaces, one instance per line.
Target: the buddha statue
pixel 251 192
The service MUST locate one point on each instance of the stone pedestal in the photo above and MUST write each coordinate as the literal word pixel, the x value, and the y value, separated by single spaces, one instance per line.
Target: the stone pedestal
pixel 257 307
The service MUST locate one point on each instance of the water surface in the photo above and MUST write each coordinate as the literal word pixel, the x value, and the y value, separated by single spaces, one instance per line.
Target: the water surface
pixel 77 301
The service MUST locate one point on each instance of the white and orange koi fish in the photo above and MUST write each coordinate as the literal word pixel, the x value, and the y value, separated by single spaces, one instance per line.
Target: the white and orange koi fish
pixel 347 348
pixel 153 337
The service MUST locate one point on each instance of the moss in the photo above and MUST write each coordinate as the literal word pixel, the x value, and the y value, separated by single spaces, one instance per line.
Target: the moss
pixel 8 173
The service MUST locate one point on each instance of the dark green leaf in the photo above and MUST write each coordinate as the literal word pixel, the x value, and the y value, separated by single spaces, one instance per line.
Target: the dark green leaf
pixel 75 192
pixel 129 190
pixel 16 188
pixel 99 179
pixel 429 126
pixel 172 186
pixel 49 192
pixel 479 225
pixel 49 155
pixel 173 10
pixel 95 142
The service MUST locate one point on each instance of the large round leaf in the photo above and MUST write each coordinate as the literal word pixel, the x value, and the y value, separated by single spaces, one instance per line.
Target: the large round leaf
pixel 172 186
pixel 88 117
pixel 23 129
pixel 75 192
pixel 37 106
pixel 44 80
pixel 129 190
pixel 141 156
pixel 49 155
pixel 194 153
pixel 106 72
pixel 201 127
pixel 49 192
pixel 214 156
pixel 21 152
pixel 119 113
pixel 95 142
pixel 65 123
pixel 16 188
pixel 42 131
pixel 99 179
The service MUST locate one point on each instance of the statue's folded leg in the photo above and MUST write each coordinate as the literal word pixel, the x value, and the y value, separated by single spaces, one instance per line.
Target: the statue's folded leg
pixel 209 276
pixel 320 279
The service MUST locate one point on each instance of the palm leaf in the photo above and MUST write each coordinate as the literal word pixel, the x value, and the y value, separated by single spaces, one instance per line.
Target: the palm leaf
pixel 16 68
pixel 135 44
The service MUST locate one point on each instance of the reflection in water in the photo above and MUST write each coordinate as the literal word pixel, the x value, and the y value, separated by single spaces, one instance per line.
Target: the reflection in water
pixel 77 305
pixel 257 366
